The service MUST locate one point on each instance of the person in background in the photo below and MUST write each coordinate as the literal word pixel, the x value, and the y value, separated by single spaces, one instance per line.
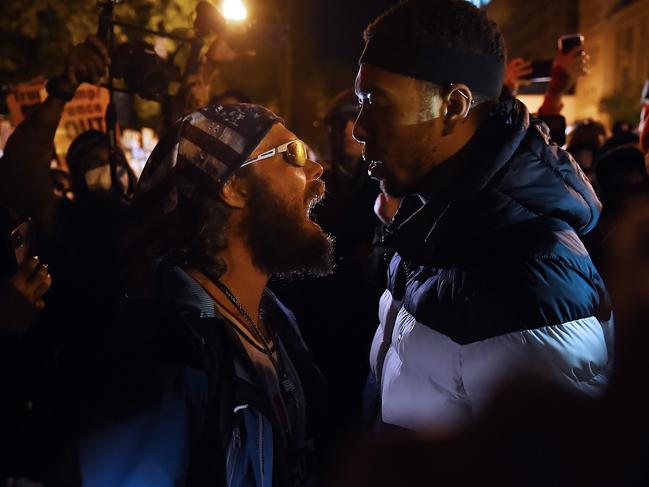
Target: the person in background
pixel 566 70
pixel 621 180
pixel 516 71
pixel 61 182
pixel 339 312
pixel 26 182
pixel 21 305
pixel 87 160
pixel 585 145
pixel 623 133
pixel 75 234
pixel 347 212
pixel 489 271
pixel 24 280
pixel 621 176
pixel 21 297
pixel 77 228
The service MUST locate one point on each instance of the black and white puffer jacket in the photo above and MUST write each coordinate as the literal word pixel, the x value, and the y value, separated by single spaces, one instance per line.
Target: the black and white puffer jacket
pixel 492 287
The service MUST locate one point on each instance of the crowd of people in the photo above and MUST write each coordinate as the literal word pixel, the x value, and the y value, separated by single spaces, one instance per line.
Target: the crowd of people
pixel 215 321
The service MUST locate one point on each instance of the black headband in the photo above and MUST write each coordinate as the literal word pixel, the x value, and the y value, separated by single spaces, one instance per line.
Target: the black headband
pixel 482 73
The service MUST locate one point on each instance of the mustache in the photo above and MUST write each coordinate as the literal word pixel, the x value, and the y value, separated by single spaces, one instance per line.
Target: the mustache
pixel 315 193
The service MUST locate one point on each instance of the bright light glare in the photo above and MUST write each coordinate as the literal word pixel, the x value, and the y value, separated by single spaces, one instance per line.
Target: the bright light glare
pixel 234 10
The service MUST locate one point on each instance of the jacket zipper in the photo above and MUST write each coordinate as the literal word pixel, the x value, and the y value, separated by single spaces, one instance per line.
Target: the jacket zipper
pixel 236 444
pixel 261 445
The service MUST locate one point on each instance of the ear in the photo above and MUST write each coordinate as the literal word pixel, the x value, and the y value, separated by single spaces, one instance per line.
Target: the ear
pixel 457 101
pixel 234 193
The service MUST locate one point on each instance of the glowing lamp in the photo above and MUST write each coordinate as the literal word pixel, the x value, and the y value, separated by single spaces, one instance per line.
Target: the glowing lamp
pixel 234 10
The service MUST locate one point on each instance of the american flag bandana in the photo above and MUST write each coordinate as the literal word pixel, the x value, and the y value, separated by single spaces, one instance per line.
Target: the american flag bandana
pixel 206 147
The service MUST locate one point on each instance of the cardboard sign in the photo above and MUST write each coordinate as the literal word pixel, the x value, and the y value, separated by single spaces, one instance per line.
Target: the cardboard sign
pixel 24 98
pixel 86 111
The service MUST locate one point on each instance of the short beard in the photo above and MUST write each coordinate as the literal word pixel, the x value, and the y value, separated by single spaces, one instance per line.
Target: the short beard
pixel 419 155
pixel 280 244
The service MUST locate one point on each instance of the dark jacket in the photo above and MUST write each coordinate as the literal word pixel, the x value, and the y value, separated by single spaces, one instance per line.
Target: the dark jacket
pixel 492 283
pixel 167 405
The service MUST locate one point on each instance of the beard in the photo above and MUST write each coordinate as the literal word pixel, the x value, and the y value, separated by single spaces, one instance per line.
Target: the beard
pixel 282 241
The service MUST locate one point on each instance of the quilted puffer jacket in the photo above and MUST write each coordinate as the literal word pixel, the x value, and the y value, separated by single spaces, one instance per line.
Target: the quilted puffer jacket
pixel 492 286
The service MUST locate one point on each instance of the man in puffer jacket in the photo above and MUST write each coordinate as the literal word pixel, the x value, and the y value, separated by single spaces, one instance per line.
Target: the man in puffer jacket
pixel 490 281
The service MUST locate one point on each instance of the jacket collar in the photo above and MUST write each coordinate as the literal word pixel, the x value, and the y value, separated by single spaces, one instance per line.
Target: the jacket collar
pixel 415 235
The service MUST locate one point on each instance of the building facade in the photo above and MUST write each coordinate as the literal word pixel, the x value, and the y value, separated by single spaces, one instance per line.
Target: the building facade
pixel 532 27
pixel 616 38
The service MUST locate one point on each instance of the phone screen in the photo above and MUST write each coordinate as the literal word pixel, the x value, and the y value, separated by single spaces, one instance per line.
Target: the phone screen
pixel 569 42
pixel 541 71
pixel 21 242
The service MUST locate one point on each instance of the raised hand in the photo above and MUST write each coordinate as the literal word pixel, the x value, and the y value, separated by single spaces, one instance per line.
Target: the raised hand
pixel 515 73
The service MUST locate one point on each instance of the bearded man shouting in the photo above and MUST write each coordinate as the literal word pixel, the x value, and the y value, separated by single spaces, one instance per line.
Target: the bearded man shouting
pixel 218 387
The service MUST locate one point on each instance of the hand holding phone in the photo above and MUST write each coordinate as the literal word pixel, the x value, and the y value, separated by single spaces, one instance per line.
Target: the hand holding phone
pixel 572 58
pixel 32 280
pixel 16 242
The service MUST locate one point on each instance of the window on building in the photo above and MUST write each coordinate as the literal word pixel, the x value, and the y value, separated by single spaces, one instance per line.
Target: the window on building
pixel 625 78
pixel 624 43
pixel 628 40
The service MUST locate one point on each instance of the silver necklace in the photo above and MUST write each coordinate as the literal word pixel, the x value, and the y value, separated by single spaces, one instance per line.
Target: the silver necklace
pixel 287 383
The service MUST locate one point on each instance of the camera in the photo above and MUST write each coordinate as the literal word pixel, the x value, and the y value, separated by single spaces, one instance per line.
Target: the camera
pixel 144 72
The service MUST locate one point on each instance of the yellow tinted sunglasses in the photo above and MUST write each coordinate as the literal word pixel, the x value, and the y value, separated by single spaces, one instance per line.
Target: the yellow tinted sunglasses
pixel 294 152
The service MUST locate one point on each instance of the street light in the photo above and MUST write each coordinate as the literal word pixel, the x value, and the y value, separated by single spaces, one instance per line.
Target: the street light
pixel 234 10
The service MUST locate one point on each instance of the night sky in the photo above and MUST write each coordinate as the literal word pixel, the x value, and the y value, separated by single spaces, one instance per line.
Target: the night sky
pixel 339 24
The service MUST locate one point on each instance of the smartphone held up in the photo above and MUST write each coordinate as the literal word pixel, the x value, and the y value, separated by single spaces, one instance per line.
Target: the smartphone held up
pixel 569 41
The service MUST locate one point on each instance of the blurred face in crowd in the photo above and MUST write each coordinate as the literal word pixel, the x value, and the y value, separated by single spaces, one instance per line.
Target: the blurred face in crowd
pixel 61 182
pixel 276 225
pixel 352 149
pixel 93 171
pixel 406 126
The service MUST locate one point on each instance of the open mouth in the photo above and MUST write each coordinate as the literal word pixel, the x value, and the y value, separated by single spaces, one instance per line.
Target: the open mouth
pixel 314 199
pixel 374 169
pixel 374 165
pixel 311 206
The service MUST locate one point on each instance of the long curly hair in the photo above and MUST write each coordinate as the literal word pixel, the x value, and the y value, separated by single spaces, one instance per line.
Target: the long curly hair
pixel 202 222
